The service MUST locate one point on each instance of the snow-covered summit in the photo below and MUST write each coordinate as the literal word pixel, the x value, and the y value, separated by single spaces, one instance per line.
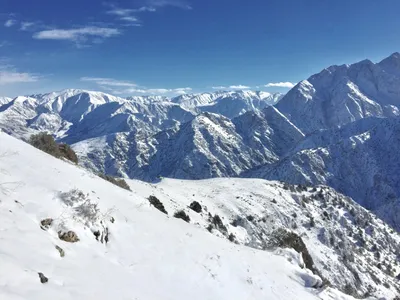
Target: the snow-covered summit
pixel 342 94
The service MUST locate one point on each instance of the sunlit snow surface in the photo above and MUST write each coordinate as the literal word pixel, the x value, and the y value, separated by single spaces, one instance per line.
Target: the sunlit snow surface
pixel 149 256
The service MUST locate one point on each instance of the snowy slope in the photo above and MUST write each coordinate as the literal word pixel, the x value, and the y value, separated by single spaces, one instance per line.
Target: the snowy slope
pixel 359 160
pixel 148 255
pixel 343 94
pixel 351 248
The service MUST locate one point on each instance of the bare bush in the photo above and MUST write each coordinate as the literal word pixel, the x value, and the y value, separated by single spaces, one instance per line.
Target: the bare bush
pixel 118 182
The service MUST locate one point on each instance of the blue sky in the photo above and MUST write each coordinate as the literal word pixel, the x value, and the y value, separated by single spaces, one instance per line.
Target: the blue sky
pixel 172 47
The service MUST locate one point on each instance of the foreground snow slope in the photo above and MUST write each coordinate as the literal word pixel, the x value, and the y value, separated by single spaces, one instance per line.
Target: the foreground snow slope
pixel 351 248
pixel 148 256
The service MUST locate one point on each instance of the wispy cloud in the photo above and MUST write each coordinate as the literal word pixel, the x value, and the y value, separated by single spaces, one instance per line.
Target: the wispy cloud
pixel 124 14
pixel 10 23
pixel 161 3
pixel 4 44
pixel 159 91
pixel 129 15
pixel 239 87
pixel 280 84
pixel 9 75
pixel 232 87
pixel 109 82
pixel 78 35
pixel 26 26
pixel 124 87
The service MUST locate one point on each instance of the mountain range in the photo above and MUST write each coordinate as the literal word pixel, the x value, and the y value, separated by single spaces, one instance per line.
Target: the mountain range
pixel 339 127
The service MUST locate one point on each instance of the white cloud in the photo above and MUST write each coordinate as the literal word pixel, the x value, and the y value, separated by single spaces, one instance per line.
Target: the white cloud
pixel 10 23
pixel 124 14
pixel 232 87
pixel 25 26
pixel 239 87
pixel 131 19
pixel 78 34
pixel 160 91
pixel 280 84
pixel 129 14
pixel 128 87
pixel 176 3
pixel 8 75
pixel 109 82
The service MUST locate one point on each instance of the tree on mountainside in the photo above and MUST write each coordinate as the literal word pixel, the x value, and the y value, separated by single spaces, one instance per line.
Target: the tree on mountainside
pixel 46 143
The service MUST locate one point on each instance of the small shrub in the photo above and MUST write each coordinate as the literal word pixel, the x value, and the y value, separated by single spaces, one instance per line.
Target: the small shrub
pixel 287 239
pixel 232 238
pixel 46 143
pixel 216 220
pixel 312 222
pixel 237 222
pixel 157 204
pixel 196 206
pixel 182 215
pixel 67 152
pixel 250 218
pixel 118 182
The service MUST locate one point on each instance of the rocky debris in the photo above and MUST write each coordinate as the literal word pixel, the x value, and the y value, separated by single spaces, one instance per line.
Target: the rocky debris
pixel 45 224
pixel 43 279
pixel 69 236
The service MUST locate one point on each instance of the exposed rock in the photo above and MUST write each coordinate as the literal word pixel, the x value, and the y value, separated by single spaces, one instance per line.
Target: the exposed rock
pixel 46 223
pixel 62 252
pixel 69 236
pixel 43 279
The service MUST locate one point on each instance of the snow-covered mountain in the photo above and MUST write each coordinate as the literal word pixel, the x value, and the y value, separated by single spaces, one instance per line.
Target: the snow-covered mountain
pixel 149 255
pixel 76 115
pixel 228 104
pixel 208 146
pixel 343 94
pixel 225 134
pixel 360 160
pixel 4 100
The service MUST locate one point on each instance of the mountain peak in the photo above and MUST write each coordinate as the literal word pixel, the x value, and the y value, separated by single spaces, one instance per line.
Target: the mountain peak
pixel 391 64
